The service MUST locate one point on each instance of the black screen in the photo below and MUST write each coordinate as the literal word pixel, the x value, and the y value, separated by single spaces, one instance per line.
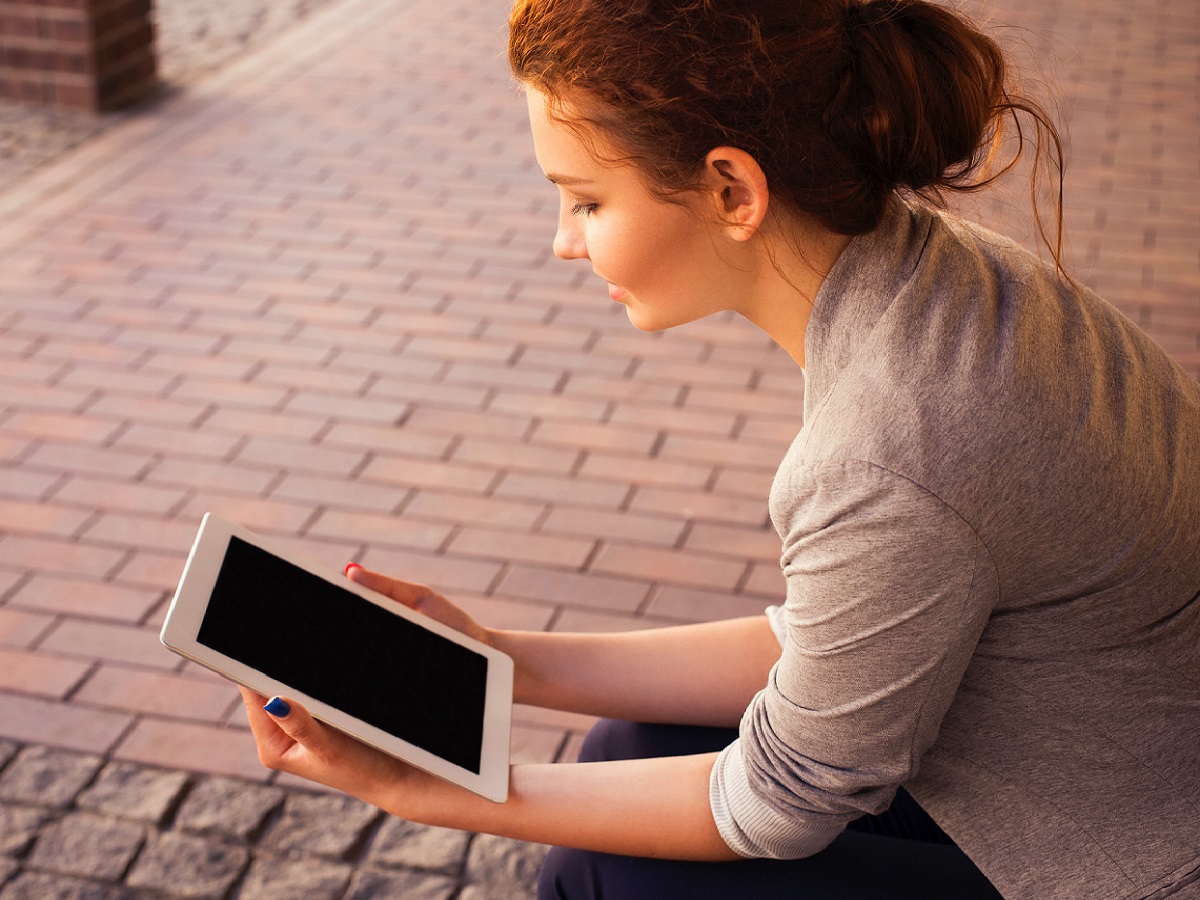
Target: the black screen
pixel 347 652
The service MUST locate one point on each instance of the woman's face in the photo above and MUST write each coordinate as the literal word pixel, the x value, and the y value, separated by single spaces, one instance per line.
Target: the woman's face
pixel 661 260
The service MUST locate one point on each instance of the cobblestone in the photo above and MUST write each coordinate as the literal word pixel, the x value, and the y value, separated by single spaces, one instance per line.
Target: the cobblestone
pixel 87 845
pixel 18 826
pixel 371 885
pixel 41 886
pixel 497 863
pixel 227 806
pixel 402 843
pixel 74 829
pixel 295 879
pixel 322 824
pixel 47 776
pixel 188 866
pixel 133 792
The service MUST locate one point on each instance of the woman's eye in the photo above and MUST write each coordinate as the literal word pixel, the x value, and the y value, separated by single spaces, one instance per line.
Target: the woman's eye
pixel 584 209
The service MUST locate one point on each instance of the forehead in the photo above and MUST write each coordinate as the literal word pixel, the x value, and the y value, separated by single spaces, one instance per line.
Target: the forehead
pixel 569 150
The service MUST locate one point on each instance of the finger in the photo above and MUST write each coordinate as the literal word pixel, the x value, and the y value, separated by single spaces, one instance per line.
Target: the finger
pixel 408 593
pixel 418 597
pixel 272 741
pixel 298 725
pixel 251 697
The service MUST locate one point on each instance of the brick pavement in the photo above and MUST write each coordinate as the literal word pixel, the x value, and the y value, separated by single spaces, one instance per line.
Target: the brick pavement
pixel 192 39
pixel 314 292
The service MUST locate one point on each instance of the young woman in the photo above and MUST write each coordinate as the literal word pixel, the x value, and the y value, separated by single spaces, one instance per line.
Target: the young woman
pixel 986 674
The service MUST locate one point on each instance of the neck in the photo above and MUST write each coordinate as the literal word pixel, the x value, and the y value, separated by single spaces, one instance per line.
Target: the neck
pixel 787 273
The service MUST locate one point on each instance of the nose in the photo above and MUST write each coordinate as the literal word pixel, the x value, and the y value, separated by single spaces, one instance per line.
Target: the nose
pixel 569 242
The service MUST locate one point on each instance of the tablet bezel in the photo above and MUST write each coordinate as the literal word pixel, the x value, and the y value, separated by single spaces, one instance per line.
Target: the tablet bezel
pixel 186 613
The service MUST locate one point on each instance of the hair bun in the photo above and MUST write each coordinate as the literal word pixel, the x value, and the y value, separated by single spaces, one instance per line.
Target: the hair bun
pixel 920 92
pixel 858 13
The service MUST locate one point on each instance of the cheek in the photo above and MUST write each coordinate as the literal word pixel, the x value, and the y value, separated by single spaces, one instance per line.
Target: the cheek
pixel 648 253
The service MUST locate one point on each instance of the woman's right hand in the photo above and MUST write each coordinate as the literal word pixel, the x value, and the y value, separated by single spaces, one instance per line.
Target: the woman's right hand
pixel 421 598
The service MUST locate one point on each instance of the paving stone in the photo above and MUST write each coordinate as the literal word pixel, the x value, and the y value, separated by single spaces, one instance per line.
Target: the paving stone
pixel 188 865
pixel 88 845
pixel 228 806
pixel 295 879
pixel 375 885
pixel 404 843
pixel 501 891
pixel 42 886
pixel 30 136
pixel 196 37
pixel 46 776
pixel 193 38
pixel 501 861
pixel 18 825
pixel 325 824
pixel 133 792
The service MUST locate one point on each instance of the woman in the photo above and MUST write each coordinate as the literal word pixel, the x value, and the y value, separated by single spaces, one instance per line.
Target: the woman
pixel 986 674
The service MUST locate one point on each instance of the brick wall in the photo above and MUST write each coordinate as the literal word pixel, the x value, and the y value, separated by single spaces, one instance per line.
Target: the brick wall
pixel 91 55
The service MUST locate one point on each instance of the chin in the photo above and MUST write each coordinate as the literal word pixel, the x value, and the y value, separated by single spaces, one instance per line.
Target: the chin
pixel 646 320
pixel 643 322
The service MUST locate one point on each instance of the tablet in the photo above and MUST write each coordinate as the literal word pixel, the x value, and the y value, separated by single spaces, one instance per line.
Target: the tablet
pixel 359 661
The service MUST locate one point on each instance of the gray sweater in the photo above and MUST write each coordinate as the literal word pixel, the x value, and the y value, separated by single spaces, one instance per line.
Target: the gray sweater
pixel 991 540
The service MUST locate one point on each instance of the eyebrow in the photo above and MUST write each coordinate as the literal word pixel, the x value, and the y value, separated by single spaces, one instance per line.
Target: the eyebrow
pixel 566 179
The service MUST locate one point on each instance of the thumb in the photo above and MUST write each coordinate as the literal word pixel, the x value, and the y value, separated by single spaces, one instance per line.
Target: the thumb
pixel 298 724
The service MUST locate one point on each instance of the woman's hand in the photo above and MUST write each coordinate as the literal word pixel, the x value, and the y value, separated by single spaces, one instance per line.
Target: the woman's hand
pixel 656 807
pixel 290 740
pixel 422 599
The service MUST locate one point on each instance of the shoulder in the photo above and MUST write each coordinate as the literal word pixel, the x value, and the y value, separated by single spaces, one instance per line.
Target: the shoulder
pixel 850 502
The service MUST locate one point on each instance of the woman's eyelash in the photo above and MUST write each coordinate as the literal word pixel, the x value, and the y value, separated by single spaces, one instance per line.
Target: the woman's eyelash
pixel 584 209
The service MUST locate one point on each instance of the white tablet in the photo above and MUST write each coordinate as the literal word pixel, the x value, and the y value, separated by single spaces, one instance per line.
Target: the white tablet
pixel 357 660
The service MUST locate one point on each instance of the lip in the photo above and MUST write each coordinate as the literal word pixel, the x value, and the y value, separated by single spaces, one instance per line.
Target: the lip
pixel 617 293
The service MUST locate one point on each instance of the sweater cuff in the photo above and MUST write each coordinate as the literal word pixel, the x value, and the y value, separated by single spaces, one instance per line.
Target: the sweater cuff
pixel 776 616
pixel 753 829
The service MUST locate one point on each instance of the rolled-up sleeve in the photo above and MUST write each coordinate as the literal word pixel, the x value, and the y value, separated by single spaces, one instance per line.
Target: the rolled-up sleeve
pixel 888 593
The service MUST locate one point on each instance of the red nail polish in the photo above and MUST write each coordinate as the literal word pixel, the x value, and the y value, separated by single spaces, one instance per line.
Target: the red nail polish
pixel 349 566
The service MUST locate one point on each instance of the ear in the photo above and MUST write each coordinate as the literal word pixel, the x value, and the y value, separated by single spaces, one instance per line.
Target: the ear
pixel 738 187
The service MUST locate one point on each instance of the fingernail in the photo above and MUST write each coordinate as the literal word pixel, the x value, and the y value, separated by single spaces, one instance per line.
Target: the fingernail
pixel 349 566
pixel 278 707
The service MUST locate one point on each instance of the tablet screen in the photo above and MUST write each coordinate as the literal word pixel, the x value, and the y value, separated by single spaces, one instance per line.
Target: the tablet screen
pixel 345 651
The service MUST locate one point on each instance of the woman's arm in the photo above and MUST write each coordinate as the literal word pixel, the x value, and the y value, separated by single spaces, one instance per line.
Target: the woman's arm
pixel 693 674
pixel 654 807
pixel 703 674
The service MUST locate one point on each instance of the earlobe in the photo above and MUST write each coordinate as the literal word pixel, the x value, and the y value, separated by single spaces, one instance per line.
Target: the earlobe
pixel 739 187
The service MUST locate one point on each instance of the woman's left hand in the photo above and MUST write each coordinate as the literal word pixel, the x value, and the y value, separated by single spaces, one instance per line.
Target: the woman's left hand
pixel 641 807
pixel 296 743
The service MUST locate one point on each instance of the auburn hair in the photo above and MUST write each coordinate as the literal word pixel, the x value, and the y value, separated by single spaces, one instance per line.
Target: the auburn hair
pixel 841 102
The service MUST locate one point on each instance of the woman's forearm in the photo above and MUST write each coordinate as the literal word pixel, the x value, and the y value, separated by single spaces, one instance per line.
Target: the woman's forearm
pixel 704 674
pixel 649 807
pixel 652 807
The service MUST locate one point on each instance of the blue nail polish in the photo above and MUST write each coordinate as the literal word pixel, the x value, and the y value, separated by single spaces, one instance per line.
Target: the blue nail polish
pixel 277 707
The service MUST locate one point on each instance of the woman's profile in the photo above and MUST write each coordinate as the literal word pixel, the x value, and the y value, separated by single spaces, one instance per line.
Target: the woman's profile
pixel 984 678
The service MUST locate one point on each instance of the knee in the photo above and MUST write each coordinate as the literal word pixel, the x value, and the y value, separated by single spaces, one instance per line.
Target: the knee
pixel 567 875
pixel 610 739
pixel 617 739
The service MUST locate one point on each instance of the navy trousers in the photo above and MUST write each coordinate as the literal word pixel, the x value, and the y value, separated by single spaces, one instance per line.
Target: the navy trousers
pixel 899 855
